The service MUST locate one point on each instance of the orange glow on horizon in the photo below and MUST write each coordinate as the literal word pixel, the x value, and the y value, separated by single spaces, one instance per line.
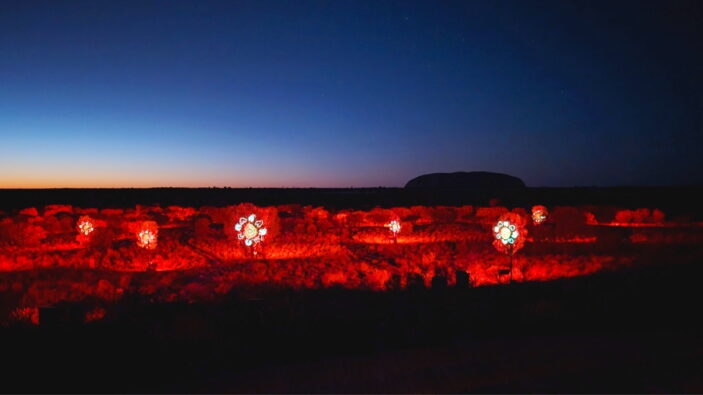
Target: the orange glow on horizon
pixel 46 177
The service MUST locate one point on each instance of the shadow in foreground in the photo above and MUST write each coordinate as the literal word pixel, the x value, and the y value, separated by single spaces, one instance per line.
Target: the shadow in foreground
pixel 633 330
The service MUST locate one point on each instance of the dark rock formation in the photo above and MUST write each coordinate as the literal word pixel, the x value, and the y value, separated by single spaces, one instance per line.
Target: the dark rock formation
pixel 474 180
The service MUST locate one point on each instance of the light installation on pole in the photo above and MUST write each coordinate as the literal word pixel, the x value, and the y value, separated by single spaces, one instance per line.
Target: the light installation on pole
pixel 251 230
pixel 539 214
pixel 394 227
pixel 148 235
pixel 506 233
pixel 509 235
pixel 85 226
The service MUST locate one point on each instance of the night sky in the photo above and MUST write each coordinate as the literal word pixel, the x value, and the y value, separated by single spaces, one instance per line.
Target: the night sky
pixel 338 94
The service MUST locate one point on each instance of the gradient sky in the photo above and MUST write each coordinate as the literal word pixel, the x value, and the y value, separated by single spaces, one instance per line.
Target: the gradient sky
pixel 348 93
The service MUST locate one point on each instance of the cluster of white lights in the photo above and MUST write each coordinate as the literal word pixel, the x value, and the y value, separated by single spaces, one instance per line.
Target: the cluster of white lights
pixel 394 226
pixel 250 230
pixel 506 232
pixel 147 239
pixel 85 227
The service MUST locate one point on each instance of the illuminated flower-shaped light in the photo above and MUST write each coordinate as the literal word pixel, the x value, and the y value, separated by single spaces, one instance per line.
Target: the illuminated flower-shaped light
pixel 148 235
pixel 539 214
pixel 509 233
pixel 250 230
pixel 85 225
pixel 394 227
pixel 506 232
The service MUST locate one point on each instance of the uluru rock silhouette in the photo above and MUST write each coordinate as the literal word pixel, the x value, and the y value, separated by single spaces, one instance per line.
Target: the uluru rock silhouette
pixel 470 180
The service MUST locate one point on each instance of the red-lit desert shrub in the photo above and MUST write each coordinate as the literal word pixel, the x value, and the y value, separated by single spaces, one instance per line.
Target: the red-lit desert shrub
pixel 522 212
pixel 443 215
pixel 289 228
pixel 355 219
pixel 316 214
pixel 106 290
pixel 220 215
pixel 201 226
pixel 49 292
pixel 177 213
pixel 489 215
pixel 102 237
pixel 159 217
pixel 590 218
pixel 373 277
pixel 379 217
pixel 112 212
pixel 52 225
pixel 465 213
pixel 641 215
pixel 422 215
pixel 23 234
pixel 196 292
pixel 569 221
pixel 341 218
pixel 95 314
pixel 67 222
pixel 657 216
pixel 292 210
pixel 406 229
pixel 28 315
pixel 85 211
pixel 209 211
pixel 602 214
pixel 625 216
pixel 401 212
pixel 54 209
pixel 30 211
pixel 130 215
pixel 550 267
pixel 667 236
pixel 5 228
pixel 334 278
pixel 322 219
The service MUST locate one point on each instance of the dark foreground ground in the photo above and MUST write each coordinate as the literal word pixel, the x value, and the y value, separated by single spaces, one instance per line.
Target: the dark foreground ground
pixel 635 330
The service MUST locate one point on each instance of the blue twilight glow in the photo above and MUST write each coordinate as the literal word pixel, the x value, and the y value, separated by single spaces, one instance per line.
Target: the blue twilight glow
pixel 347 93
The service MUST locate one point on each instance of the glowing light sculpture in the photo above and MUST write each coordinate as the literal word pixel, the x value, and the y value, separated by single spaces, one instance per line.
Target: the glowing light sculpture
pixel 509 235
pixel 148 235
pixel 539 214
pixel 506 232
pixel 394 227
pixel 251 230
pixel 85 226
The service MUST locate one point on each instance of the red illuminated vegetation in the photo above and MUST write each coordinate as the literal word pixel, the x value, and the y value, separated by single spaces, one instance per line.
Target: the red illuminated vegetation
pixel 63 253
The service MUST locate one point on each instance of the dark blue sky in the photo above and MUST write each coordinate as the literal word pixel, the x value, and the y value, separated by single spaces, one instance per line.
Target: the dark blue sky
pixel 348 93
